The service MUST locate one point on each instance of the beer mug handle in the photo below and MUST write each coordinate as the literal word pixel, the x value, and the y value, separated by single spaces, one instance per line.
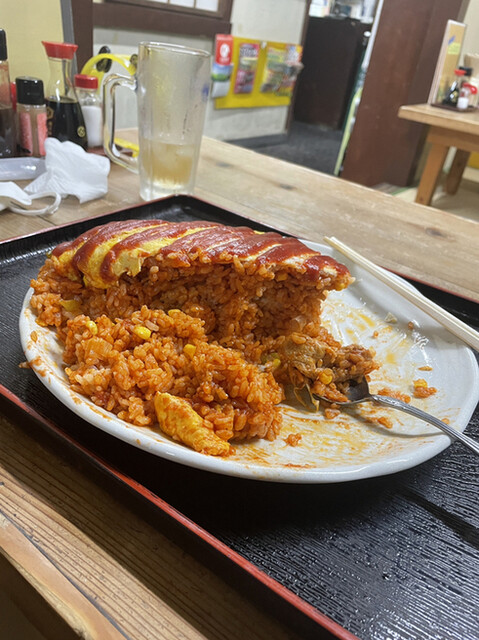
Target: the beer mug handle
pixel 109 108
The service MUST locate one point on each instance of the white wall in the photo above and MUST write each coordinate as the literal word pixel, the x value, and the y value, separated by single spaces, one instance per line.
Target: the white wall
pixel 279 20
pixel 471 19
pixel 26 25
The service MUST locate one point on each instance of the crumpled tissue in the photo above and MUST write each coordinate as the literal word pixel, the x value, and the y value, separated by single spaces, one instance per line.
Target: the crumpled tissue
pixel 15 199
pixel 72 171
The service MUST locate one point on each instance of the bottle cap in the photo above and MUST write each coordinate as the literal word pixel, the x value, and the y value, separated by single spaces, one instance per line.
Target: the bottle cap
pixel 3 45
pixel 471 87
pixel 29 90
pixel 104 64
pixel 86 82
pixel 65 50
pixel 459 72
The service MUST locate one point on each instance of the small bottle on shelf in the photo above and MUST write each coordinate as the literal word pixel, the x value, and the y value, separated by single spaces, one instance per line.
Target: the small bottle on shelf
pixel 474 85
pixel 464 97
pixel 31 117
pixel 452 93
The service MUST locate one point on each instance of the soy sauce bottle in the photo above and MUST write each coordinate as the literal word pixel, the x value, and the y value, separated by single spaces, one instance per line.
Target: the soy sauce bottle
pixel 452 93
pixel 64 116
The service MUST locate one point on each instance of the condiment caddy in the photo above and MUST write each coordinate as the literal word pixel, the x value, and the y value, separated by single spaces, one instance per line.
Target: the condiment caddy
pixel 66 108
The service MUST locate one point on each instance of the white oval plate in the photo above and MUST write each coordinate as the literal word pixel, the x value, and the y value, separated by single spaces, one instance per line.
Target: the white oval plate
pixel 351 446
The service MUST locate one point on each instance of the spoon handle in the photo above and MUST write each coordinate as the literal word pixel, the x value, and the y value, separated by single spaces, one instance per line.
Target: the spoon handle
pixel 422 415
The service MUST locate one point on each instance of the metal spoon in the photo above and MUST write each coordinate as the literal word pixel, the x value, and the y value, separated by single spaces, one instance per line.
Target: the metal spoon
pixel 360 393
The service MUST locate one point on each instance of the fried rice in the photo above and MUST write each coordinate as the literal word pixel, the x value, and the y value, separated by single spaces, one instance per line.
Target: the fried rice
pixel 224 332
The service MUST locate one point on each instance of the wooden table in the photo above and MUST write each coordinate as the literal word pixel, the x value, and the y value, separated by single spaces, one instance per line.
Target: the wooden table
pixel 447 128
pixel 73 552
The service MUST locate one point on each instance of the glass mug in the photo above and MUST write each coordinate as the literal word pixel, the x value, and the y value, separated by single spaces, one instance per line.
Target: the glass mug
pixel 172 85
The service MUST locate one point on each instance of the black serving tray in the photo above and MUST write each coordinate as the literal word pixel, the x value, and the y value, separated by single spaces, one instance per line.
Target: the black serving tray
pixel 390 557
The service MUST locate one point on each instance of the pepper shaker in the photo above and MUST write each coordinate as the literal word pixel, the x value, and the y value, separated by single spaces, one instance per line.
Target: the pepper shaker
pixel 31 117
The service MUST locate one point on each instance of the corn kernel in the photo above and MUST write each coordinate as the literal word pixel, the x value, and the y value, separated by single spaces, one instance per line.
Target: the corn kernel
pixel 326 376
pixel 189 349
pixel 282 275
pixel 91 326
pixel 276 363
pixel 70 305
pixel 270 357
pixel 142 332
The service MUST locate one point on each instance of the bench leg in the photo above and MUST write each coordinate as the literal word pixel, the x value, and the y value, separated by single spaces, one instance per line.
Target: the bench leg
pixel 457 169
pixel 432 171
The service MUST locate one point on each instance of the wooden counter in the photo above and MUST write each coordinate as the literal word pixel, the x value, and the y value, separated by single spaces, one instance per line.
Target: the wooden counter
pixel 419 242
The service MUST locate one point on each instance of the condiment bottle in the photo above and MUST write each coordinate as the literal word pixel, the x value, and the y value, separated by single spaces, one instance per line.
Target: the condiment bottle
pixel 31 117
pixel 474 86
pixel 453 92
pixel 464 97
pixel 64 116
pixel 90 102
pixel 466 89
pixel 8 138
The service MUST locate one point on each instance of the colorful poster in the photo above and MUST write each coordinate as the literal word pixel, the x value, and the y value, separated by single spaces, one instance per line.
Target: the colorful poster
pixel 292 68
pixel 247 65
pixel 222 68
pixel 263 74
pixel 274 69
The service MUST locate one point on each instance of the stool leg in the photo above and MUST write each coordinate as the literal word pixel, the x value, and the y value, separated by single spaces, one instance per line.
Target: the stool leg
pixel 430 175
pixel 457 169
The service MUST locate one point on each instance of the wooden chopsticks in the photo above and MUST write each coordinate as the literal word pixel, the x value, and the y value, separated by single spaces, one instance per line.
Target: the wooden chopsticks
pixel 455 326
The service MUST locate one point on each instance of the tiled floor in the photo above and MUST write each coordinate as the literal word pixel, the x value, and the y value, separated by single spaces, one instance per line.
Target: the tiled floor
pixel 308 145
pixel 464 203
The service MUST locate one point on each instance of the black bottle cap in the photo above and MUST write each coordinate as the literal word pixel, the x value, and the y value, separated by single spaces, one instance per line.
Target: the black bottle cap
pixel 29 90
pixel 3 45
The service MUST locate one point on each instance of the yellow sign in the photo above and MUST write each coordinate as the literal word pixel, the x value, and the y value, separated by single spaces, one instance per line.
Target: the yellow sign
pixel 257 80
pixel 447 61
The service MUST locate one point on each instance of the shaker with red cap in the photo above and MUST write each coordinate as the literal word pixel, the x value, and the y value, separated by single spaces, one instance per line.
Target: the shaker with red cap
pixel 64 115
pixel 90 102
